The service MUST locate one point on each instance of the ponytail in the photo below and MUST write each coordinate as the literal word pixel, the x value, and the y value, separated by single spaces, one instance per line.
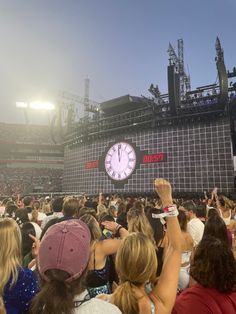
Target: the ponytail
pixel 57 295
pixel 124 298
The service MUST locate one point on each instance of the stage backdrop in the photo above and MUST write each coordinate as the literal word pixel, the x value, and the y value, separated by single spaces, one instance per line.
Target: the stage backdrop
pixel 192 157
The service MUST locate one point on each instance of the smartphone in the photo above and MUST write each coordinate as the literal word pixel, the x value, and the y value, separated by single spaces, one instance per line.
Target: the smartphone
pixel 107 233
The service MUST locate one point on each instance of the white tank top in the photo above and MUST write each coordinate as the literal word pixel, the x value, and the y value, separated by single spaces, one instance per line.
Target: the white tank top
pixel 226 220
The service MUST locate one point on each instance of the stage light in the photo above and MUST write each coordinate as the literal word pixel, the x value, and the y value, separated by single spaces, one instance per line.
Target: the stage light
pixel 39 105
pixel 21 104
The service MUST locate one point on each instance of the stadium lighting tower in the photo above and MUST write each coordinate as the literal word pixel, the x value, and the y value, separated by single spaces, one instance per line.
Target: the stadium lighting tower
pixel 35 105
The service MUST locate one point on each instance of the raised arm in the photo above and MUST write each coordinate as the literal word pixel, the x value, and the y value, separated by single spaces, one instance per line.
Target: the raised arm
pixel 100 199
pixel 110 246
pixel 166 289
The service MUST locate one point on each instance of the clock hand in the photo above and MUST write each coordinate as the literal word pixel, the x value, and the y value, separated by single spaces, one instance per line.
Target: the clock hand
pixel 119 147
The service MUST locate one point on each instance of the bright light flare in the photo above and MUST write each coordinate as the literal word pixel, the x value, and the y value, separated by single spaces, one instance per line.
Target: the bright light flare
pixel 21 104
pixel 40 105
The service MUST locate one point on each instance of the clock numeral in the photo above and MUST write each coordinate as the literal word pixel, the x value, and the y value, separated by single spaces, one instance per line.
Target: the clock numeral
pixel 114 149
pixel 119 176
pixel 109 155
pixel 109 169
pixel 125 173
pixel 113 174
pixel 129 167
pixel 130 152
pixel 108 162
pixel 131 159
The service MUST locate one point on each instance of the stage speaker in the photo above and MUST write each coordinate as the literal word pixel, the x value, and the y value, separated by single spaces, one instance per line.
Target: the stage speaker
pixel 173 88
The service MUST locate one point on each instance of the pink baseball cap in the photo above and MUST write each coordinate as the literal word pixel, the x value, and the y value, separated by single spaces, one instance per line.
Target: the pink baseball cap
pixel 65 246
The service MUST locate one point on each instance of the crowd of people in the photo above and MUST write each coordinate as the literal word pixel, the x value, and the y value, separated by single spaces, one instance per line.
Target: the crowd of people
pixel 28 180
pixel 23 133
pixel 117 254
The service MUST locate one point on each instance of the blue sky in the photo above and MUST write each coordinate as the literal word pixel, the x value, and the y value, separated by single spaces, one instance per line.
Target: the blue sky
pixel 121 45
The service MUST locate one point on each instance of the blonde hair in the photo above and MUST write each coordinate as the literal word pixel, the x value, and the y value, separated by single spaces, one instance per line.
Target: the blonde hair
pixel 136 263
pixel 10 255
pixel 101 209
pixel 34 215
pixel 93 226
pixel 138 222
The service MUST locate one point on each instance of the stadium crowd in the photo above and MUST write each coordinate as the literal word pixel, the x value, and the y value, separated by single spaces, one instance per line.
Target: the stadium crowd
pixel 118 254
pixel 28 180
pixel 27 134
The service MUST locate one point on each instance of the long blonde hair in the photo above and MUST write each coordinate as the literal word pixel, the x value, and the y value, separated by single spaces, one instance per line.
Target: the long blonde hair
pixel 138 222
pixel 10 255
pixel 136 264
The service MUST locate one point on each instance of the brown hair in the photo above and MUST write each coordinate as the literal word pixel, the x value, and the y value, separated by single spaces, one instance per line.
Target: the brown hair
pixel 136 263
pixel 214 265
pixel 138 222
pixel 182 218
pixel 70 207
pixel 57 296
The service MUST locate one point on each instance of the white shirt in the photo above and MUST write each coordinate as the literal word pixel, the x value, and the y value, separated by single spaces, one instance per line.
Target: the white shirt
pixel 196 228
pixel 94 306
pixel 48 218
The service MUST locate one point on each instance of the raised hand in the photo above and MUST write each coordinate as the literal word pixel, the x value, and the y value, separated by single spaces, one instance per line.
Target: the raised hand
pixel 164 190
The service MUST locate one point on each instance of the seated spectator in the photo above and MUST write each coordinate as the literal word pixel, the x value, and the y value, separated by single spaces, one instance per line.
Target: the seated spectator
pixel 17 285
pixel 214 270
pixel 62 262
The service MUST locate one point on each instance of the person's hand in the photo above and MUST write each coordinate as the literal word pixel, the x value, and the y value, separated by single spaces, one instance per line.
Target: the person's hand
pixel 35 246
pixel 163 189
pixel 110 225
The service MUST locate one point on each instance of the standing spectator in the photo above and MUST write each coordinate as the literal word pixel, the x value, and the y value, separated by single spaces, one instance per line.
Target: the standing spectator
pixel 36 215
pixel 28 202
pixel 17 285
pixel 136 265
pixel 225 213
pixel 214 270
pixel 63 259
pixel 56 211
pixel 195 226
pixel 187 247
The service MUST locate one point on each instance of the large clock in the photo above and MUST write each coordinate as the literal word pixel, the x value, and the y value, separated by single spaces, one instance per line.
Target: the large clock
pixel 120 161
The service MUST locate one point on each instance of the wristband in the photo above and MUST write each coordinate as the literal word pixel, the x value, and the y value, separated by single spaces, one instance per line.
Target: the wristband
pixel 170 211
pixel 118 229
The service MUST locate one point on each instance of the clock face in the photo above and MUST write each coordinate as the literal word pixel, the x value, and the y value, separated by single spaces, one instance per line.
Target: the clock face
pixel 120 161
